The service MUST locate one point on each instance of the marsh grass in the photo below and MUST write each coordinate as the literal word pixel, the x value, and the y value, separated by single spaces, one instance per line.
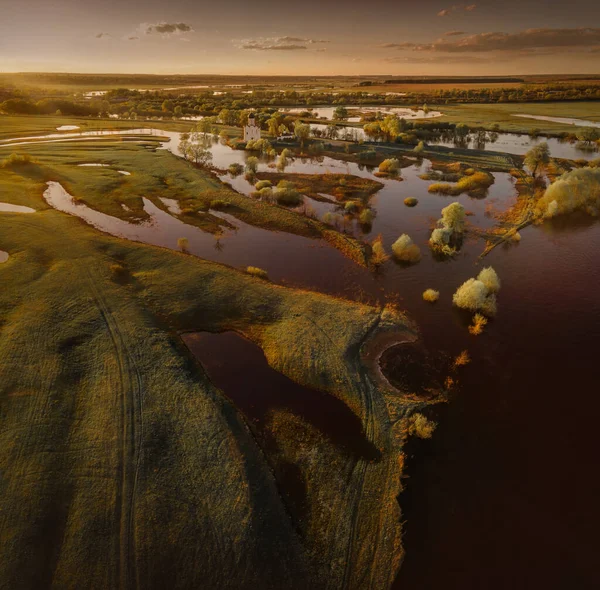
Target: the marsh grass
pixel 479 322
pixel 378 255
pixel 461 360
pixel 257 272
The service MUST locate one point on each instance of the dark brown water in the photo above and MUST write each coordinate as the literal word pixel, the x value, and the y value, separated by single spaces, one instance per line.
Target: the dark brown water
pixel 240 369
pixel 505 494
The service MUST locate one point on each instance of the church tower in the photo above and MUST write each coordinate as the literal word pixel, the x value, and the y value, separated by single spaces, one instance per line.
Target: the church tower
pixel 251 130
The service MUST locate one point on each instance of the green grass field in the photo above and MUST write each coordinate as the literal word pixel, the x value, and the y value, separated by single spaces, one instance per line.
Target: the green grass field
pixel 121 464
pixel 155 173
pixel 485 115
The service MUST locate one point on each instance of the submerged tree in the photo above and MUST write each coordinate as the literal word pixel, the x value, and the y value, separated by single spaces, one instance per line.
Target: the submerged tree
pixel 537 156
pixel 301 131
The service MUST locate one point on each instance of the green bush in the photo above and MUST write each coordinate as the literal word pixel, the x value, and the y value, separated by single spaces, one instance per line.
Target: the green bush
pixel 419 148
pixel 578 189
pixel 286 193
pixel 235 169
pixel 251 165
pixel 262 184
pixel 431 295
pixel 490 279
pixel 479 295
pixel 475 183
pixel 390 166
pixel 446 238
pixel 366 217
pixel 405 250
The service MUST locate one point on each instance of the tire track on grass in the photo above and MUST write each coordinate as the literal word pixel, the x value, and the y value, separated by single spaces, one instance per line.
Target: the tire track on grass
pixel 130 440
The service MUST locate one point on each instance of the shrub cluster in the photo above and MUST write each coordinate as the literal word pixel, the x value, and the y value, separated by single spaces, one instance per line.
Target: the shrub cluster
pixel 286 193
pixel 235 169
pixel 447 236
pixel 578 189
pixel 431 295
pixel 260 145
pixel 474 183
pixel 390 167
pixel 479 295
pixel 405 250
pixel 419 425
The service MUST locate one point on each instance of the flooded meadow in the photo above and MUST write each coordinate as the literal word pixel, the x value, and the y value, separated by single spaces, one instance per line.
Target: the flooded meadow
pixel 518 430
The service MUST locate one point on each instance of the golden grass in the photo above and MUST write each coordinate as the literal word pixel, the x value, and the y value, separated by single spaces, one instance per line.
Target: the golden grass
pixel 479 322
pixel 378 255
pixel 461 360
pixel 255 271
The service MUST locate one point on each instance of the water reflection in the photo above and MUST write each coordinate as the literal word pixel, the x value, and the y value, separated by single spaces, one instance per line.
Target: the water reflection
pixel 287 258
pixel 512 143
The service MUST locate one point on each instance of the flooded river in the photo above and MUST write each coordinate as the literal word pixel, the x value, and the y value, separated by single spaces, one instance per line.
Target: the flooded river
pixel 513 143
pixel 505 494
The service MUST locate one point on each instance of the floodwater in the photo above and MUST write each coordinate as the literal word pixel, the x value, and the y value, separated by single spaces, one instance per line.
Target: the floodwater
pixel 10 208
pixel 344 132
pixel 240 369
pixel 565 120
pixel 239 245
pixel 513 143
pixel 172 205
pixel 52 137
pixel 505 493
pixel 403 112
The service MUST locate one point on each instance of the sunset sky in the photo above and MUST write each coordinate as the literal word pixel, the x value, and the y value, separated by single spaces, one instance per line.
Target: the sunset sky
pixel 320 37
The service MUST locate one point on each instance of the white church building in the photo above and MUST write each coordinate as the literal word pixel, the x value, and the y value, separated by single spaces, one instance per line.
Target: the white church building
pixel 251 130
